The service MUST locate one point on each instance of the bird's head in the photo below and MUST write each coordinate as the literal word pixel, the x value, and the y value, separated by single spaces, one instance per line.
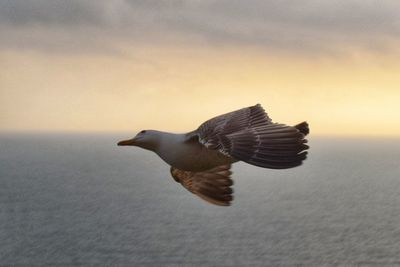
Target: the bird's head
pixel 147 139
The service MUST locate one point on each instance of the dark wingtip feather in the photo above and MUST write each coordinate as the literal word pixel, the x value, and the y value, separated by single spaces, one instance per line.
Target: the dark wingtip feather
pixel 303 127
pixel 274 146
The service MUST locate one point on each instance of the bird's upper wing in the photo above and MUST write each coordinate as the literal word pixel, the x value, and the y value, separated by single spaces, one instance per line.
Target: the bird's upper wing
pixel 249 135
pixel 213 186
pixel 212 133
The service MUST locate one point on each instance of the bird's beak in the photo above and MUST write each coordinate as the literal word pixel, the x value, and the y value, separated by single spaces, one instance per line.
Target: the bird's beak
pixel 130 142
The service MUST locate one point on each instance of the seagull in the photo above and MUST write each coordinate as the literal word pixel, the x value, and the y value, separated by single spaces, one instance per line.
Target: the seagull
pixel 200 160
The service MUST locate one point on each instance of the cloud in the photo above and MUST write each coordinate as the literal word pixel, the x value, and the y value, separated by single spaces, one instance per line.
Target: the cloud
pixel 295 26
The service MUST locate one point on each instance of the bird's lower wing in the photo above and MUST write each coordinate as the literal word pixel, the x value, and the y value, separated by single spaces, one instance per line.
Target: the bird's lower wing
pixel 213 186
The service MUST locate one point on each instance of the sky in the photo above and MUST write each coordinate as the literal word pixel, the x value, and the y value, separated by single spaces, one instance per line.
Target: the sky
pixel 124 66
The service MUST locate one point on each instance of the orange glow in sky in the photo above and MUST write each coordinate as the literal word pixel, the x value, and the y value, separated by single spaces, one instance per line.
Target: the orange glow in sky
pixel 175 85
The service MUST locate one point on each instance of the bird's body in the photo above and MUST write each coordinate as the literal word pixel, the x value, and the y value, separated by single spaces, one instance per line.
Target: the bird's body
pixel 200 160
pixel 188 155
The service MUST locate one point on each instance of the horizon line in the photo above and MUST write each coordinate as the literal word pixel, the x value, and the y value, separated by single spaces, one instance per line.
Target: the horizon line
pixel 133 132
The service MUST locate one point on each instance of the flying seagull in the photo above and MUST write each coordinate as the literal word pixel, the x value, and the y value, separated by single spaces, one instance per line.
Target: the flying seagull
pixel 200 160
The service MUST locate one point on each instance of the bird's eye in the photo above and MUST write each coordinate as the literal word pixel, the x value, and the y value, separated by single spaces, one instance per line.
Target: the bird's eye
pixel 142 132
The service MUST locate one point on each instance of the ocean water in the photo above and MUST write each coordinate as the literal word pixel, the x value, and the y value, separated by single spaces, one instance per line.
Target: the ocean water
pixel 79 200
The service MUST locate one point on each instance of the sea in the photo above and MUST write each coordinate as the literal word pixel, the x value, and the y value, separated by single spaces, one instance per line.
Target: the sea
pixel 80 200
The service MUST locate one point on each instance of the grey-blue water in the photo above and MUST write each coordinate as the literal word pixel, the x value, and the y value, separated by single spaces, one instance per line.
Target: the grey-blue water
pixel 79 200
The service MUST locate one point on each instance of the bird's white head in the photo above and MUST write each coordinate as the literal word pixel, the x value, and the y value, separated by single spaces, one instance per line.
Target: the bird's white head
pixel 147 139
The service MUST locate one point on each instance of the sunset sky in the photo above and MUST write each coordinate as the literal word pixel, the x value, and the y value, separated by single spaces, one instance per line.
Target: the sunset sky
pixel 170 65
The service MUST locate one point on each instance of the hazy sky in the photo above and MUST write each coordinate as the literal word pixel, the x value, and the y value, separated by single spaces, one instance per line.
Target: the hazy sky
pixel 129 65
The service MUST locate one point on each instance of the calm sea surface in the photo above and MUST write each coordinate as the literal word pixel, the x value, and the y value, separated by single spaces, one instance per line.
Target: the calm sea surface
pixel 79 200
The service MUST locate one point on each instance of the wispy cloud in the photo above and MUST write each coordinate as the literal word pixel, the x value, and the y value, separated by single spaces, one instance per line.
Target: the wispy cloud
pixel 295 26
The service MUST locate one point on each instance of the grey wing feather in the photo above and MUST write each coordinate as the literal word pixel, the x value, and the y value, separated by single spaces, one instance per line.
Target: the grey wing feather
pixel 249 135
pixel 213 186
pixel 212 132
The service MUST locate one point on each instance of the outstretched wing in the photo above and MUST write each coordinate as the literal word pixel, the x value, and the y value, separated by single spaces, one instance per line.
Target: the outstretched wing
pixel 249 135
pixel 213 186
pixel 212 132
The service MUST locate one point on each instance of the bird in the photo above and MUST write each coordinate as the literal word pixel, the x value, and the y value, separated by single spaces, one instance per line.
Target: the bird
pixel 201 160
